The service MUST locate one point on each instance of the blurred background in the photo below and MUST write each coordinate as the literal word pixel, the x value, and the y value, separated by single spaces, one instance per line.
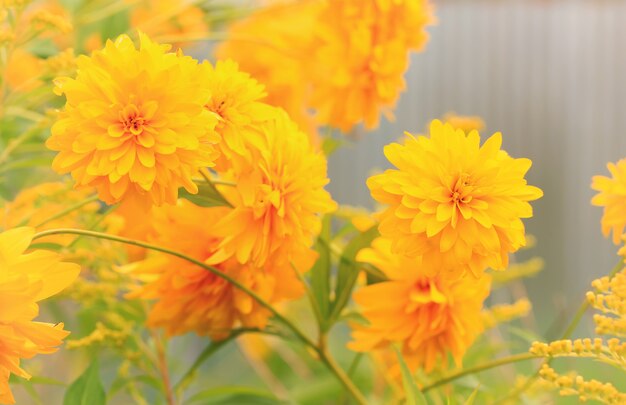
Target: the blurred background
pixel 551 76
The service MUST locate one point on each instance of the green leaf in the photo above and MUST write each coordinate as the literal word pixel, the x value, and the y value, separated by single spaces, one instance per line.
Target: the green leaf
pixel 87 389
pixel 233 395
pixel 413 395
pixel 208 196
pixel 320 273
pixel 330 145
pixel 472 398
pixel 348 271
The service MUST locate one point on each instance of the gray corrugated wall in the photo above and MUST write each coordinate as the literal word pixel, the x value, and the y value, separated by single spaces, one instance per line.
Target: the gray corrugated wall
pixel 551 76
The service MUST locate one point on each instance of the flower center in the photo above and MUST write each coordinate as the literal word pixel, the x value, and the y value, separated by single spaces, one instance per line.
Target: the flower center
pixel 460 193
pixel 132 119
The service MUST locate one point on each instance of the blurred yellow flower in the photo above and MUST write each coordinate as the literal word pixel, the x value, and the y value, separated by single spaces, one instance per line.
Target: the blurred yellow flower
pixel 23 71
pixel 26 279
pixel 466 123
pixel 612 196
pixel 44 207
pixel 169 20
pixel 190 298
pixel 278 197
pixel 453 202
pixel 234 99
pixel 273 44
pixel 359 55
pixel 134 123
pixel 429 316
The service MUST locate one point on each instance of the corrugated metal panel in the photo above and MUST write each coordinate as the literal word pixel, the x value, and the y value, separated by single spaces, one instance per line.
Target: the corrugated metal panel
pixel 551 75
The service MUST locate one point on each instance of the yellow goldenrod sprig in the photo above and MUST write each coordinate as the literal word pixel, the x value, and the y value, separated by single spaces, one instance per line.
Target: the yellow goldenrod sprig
pixel 612 352
pixel 506 312
pixel 585 390
pixel 517 271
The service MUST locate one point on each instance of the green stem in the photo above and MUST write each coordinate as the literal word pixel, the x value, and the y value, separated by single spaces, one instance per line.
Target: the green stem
pixel 342 376
pixel 68 210
pixel 481 367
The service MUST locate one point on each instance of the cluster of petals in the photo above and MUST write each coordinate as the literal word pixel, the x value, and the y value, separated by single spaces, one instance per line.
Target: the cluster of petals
pixel 345 59
pixel 429 316
pixel 361 52
pixel 612 196
pixel 454 203
pixel 191 298
pixel 134 123
pixel 277 198
pixel 26 279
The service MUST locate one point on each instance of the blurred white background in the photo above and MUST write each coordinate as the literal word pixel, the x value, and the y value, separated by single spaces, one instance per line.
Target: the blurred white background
pixel 551 76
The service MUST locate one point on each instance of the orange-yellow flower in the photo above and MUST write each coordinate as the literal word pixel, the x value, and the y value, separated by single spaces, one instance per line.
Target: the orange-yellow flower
pixel 612 196
pixel 273 45
pixel 26 279
pixel 234 99
pixel 359 56
pixel 455 203
pixel 170 19
pixel 190 298
pixel 134 123
pixel 23 71
pixel 429 316
pixel 278 197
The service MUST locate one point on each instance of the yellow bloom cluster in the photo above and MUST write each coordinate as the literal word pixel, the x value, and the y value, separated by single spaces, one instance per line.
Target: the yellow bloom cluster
pixel 455 203
pixel 453 208
pixel 585 390
pixel 26 279
pixel 134 124
pixel 516 271
pixel 345 58
pixel 612 196
pixel 506 312
pixel 430 314
pixel 610 298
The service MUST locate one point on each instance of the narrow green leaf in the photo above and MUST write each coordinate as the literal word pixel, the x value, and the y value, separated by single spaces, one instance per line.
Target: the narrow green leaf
pixel 208 196
pixel 348 271
pixel 233 395
pixel 413 395
pixel 472 398
pixel 87 389
pixel 320 273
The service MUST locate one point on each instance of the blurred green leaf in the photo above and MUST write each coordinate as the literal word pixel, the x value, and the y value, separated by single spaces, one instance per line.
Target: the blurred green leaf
pixel 87 389
pixel 472 398
pixel 413 395
pixel 348 271
pixel 208 196
pixel 320 273
pixel 329 145
pixel 233 395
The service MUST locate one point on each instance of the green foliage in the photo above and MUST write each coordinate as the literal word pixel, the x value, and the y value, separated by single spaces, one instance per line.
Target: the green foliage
pixel 413 395
pixel 87 389
pixel 207 196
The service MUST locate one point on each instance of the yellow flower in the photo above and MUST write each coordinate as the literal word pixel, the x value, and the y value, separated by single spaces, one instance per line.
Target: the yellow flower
pixel 134 123
pixel 278 197
pixel 234 99
pixel 272 44
pixel 38 206
pixel 26 279
pixel 457 204
pixel 169 19
pixel 190 298
pixel 23 71
pixel 612 196
pixel 466 123
pixel 429 316
pixel 359 56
